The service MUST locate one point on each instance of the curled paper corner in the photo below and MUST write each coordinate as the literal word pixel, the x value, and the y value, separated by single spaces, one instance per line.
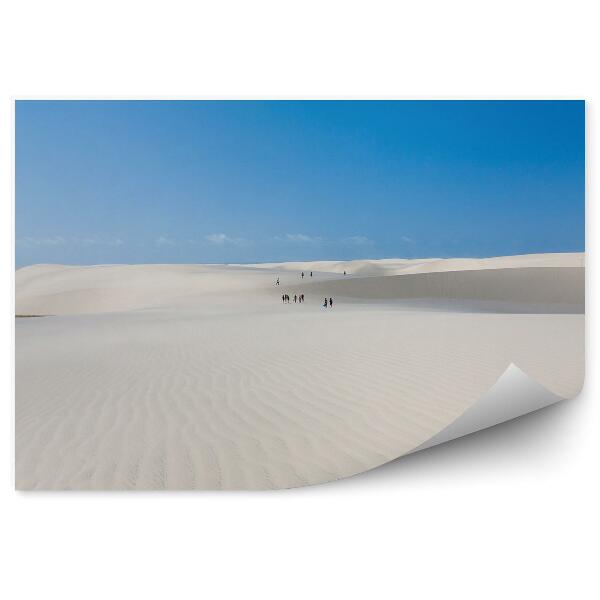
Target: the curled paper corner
pixel 514 394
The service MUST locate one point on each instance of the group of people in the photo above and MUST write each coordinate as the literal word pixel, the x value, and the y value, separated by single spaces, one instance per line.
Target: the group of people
pixel 285 298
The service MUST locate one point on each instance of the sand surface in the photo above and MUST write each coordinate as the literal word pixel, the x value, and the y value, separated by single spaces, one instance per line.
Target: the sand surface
pixel 199 377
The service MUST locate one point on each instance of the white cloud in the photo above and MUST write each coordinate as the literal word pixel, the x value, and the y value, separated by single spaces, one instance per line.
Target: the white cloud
pixel 221 238
pixel 298 238
pixel 357 240
pixel 94 241
pixel 407 239
pixel 217 239
pixel 58 240
pixel 163 240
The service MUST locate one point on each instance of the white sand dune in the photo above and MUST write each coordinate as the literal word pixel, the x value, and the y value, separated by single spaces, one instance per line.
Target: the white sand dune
pixel 400 266
pixel 58 289
pixel 62 290
pixel 199 377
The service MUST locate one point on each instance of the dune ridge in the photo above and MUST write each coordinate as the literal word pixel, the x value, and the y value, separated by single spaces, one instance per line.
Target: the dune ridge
pixel 400 266
pixel 550 282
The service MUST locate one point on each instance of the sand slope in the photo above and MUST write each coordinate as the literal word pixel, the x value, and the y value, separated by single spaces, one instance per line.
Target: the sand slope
pixel 198 377
pixel 546 289
pixel 60 289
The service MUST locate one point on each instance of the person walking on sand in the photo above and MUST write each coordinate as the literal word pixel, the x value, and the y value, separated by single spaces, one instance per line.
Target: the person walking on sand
pixel 295 298
pixel 330 302
pixel 283 297
pixel 302 274
pixel 277 282
pixel 325 303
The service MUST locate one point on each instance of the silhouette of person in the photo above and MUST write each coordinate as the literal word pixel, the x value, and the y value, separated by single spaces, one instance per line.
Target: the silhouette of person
pixel 277 282
pixel 325 304
pixel 330 302
pixel 283 297
pixel 344 272
pixel 295 297
pixel 302 274
pixel 311 273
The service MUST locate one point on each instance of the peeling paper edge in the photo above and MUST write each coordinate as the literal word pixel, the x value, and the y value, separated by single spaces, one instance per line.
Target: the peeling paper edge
pixel 514 394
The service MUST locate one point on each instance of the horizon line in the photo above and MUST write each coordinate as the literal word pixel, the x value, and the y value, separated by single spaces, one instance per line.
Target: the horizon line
pixel 297 261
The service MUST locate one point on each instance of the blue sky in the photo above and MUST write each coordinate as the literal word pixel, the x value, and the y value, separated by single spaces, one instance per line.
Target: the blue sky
pixel 154 181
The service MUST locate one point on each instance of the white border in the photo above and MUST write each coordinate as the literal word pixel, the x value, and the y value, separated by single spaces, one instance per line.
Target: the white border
pixel 511 512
